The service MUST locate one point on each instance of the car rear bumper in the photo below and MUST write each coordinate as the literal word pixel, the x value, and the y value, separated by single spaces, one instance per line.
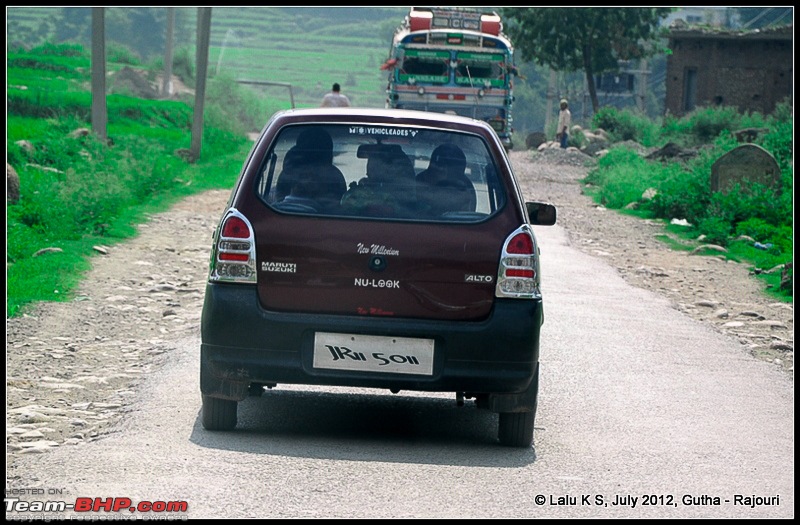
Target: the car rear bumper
pixel 242 344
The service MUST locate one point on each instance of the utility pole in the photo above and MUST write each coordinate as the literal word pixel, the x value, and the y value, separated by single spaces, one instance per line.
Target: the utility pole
pixel 642 95
pixel 203 38
pixel 166 85
pixel 551 96
pixel 99 109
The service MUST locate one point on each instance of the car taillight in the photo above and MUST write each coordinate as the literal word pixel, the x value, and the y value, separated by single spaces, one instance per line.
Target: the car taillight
pixel 233 258
pixel 518 273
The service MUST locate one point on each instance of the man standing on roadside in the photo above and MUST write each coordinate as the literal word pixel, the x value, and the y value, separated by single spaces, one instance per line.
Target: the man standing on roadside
pixel 564 121
pixel 335 99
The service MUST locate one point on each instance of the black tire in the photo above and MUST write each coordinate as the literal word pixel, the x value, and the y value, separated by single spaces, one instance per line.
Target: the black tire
pixel 219 414
pixel 255 390
pixel 516 429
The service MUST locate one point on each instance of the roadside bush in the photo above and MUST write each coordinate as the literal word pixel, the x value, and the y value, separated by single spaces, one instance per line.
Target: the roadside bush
pixel 716 230
pixel 164 114
pixel 780 140
pixel 119 54
pixel 741 204
pixel 621 177
pixel 92 203
pixel 755 227
pixel 55 149
pixel 576 139
pixel 71 186
pixel 65 50
pixel 706 124
pixel 627 124
pixel 765 233
pixel 49 104
pixel 235 107
pixel 183 66
pixel 15 155
pixel 620 124
pixel 681 194
pixel 144 181
pixel 62 58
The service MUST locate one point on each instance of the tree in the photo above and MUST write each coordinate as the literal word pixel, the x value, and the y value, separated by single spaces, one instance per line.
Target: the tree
pixel 140 29
pixel 588 39
pixel 74 25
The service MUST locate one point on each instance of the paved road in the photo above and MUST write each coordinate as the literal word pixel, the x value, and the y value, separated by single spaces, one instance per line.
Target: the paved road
pixel 639 404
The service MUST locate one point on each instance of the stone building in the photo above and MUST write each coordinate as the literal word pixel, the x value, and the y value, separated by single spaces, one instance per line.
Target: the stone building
pixel 749 70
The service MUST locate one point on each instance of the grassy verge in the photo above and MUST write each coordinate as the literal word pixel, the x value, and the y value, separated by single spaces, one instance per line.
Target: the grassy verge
pixel 48 264
pixel 77 192
pixel 753 223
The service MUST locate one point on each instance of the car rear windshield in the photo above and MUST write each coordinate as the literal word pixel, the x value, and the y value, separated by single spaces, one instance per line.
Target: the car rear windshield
pixel 382 172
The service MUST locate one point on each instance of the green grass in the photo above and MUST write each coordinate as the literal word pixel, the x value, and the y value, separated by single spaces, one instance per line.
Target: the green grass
pixel 54 276
pixel 678 245
pixel 78 192
pixel 764 265
pixel 57 274
pixel 681 188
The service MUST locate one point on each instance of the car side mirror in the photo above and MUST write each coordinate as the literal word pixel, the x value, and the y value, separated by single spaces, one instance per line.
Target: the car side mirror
pixel 541 213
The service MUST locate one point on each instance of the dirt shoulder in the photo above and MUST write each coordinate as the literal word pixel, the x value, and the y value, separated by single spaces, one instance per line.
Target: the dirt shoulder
pixel 73 368
pixel 708 288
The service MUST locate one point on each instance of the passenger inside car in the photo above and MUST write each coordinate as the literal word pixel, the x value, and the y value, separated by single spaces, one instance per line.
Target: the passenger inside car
pixel 388 190
pixel 306 195
pixel 313 150
pixel 444 187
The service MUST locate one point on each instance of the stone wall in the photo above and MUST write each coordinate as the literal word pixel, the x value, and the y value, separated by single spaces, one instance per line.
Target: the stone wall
pixel 751 71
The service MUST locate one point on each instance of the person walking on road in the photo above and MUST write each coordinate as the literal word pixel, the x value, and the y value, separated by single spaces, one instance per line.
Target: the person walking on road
pixel 564 121
pixel 335 99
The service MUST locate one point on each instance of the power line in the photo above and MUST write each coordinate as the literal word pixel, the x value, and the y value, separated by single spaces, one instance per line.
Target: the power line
pixel 775 21
pixel 756 18
pixel 788 11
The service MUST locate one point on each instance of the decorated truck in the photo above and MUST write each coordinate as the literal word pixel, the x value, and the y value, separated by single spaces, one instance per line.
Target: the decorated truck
pixel 453 60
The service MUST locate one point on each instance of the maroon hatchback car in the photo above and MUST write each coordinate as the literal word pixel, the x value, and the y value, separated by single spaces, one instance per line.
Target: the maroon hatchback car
pixel 383 249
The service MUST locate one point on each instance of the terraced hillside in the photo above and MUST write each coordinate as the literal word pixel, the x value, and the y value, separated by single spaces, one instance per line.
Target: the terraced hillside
pixel 308 47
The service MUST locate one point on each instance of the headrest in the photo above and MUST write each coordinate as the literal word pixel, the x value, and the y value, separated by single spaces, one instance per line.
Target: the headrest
pixel 366 151
pixel 448 155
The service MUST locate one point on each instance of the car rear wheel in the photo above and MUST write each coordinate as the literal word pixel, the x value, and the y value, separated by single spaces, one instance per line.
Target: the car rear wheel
pixel 219 414
pixel 516 428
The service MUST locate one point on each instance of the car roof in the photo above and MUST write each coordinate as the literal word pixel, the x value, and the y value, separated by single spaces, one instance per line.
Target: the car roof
pixel 388 116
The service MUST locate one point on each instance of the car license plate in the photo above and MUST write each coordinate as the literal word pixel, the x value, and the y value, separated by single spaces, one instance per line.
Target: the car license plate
pixel 371 353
